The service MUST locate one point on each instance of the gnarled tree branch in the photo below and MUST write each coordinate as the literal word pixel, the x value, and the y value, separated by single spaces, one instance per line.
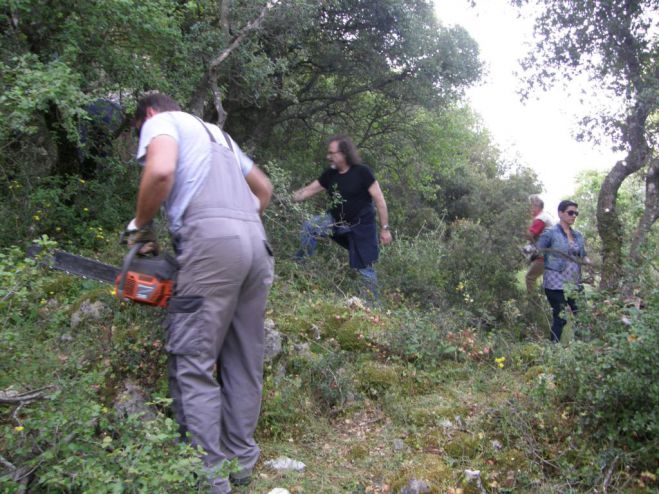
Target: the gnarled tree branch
pixel 209 81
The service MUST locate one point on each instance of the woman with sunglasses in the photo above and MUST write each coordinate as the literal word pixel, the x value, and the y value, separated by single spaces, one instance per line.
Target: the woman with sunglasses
pixel 564 253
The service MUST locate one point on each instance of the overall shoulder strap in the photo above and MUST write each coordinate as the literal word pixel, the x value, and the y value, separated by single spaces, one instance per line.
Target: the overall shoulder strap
pixel 212 138
pixel 226 136
pixel 206 129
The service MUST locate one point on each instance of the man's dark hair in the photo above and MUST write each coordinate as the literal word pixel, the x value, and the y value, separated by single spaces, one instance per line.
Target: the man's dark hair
pixel 347 148
pixel 563 205
pixel 158 101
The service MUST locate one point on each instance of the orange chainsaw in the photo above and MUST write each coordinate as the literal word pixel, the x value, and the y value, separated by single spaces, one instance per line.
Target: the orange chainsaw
pixel 143 279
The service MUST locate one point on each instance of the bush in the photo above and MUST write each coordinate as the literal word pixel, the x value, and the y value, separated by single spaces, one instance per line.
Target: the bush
pixel 76 444
pixel 479 266
pixel 86 213
pixel 612 383
pixel 421 338
pixel 410 268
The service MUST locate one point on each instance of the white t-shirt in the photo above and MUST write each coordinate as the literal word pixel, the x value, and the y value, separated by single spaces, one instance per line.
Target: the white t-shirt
pixel 545 218
pixel 193 156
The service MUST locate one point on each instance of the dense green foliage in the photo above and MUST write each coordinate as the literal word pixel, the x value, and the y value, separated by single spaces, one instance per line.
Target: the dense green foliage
pixel 447 366
pixel 613 43
pixel 581 414
pixel 613 386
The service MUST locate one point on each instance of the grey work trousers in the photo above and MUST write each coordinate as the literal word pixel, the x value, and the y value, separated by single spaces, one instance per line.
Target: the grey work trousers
pixel 215 324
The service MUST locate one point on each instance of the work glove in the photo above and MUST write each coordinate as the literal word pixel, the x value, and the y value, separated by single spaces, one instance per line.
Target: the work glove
pixel 145 235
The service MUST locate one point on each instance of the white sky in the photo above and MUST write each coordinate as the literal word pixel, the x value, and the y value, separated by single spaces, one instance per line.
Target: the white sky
pixel 540 132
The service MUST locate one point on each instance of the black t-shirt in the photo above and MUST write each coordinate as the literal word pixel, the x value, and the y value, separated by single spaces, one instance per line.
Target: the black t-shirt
pixel 352 186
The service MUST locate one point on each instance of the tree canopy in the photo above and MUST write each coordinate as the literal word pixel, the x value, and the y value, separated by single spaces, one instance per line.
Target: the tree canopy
pixel 615 44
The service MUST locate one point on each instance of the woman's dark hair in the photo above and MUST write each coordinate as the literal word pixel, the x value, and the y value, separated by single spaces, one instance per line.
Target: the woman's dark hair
pixel 347 148
pixel 563 205
pixel 158 101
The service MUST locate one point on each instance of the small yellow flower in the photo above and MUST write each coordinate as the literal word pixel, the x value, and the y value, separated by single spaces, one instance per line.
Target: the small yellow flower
pixel 58 228
pixel 500 361
pixel 36 217
pixel 81 181
pixel 86 210
pixel 19 428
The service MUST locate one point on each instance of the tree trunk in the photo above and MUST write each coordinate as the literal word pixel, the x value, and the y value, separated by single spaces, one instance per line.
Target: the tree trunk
pixel 651 212
pixel 208 83
pixel 609 226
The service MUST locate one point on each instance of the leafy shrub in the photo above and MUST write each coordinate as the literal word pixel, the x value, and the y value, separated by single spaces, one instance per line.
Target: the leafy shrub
pixel 420 338
pixel 410 268
pixel 479 266
pixel 77 444
pixel 285 408
pixel 329 381
pixel 612 384
pixel 70 209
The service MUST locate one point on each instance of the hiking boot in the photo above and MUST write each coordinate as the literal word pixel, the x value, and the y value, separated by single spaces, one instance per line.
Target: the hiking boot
pixel 241 478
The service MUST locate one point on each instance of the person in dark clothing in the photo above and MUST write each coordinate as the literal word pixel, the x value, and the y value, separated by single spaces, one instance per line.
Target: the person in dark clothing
pixel 354 196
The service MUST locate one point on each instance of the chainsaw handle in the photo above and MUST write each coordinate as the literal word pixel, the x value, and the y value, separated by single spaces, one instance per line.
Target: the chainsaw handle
pixel 126 265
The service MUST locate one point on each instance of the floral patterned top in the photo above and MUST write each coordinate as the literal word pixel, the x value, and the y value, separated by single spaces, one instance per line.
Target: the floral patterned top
pixel 555 280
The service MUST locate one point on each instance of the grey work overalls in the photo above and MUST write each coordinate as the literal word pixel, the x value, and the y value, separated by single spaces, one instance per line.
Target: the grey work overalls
pixel 216 317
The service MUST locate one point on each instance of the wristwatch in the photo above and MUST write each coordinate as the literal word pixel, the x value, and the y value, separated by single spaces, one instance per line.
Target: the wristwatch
pixel 385 227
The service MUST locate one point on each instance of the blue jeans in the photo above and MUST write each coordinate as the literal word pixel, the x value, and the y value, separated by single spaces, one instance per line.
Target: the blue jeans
pixel 320 226
pixel 323 226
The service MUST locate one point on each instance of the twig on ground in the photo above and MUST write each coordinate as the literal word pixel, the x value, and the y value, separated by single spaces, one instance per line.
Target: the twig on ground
pixel 607 478
pixel 11 397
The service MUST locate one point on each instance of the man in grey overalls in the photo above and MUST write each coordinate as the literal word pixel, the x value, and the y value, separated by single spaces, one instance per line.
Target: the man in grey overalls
pixel 213 195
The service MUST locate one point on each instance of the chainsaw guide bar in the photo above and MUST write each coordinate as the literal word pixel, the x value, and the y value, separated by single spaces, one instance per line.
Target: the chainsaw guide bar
pixel 78 265
pixel 144 280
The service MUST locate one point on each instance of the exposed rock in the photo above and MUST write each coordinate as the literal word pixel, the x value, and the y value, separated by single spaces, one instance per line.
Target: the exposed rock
pixel 279 490
pixel 399 445
pixel 302 349
pixel 474 476
pixel 284 464
pixel 89 311
pixel 415 487
pixel 355 303
pixel 131 400
pixel 272 341
pixel 269 325
pixel 315 330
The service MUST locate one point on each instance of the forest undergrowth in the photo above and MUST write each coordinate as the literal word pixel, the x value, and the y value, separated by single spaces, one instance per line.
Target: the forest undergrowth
pixel 370 399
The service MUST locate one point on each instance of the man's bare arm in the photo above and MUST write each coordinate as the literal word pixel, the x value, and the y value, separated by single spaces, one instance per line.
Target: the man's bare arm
pixel 157 178
pixel 260 186
pixel 306 192
pixel 383 213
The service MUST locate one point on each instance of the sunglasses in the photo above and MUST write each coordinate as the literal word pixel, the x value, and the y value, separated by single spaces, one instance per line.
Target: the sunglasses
pixel 572 213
